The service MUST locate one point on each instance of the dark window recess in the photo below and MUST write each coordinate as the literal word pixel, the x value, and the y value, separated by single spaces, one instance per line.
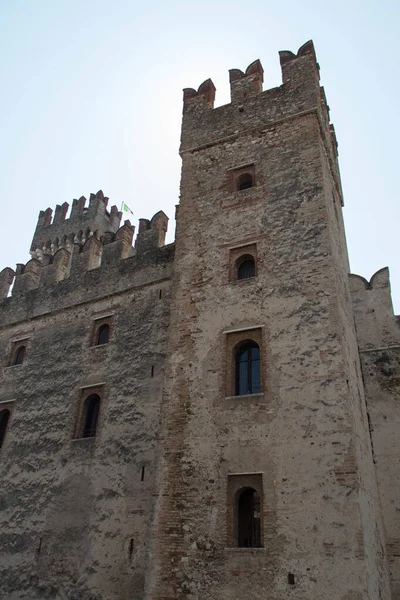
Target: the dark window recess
pixel 152 370
pixel 39 548
pixel 247 268
pixel 91 415
pixel 160 294
pixel 19 356
pixel 245 181
pixel 4 417
pixel 130 548
pixel 249 519
pixel 142 475
pixel 103 334
pixel 247 369
pixel 290 579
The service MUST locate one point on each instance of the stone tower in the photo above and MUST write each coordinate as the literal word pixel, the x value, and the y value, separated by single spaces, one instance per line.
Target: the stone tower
pixel 215 418
pixel 269 481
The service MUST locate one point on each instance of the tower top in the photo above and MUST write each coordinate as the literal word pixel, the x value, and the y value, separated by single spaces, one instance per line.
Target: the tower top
pixel 252 107
pixel 84 222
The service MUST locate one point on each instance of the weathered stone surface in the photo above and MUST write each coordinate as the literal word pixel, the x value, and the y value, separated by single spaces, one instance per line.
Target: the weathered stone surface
pixel 148 508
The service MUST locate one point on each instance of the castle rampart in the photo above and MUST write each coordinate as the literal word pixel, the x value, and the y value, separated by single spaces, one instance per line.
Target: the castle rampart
pixel 190 421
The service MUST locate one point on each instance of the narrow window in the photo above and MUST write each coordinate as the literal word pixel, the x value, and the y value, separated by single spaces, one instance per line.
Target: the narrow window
pixel 246 267
pixel 247 369
pixel 19 356
pixel 245 181
pixel 103 334
pixel 90 415
pixel 4 417
pixel 249 521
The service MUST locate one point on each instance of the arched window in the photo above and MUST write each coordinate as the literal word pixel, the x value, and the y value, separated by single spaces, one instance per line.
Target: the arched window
pixel 4 417
pixel 245 181
pixel 90 415
pixel 19 356
pixel 103 334
pixel 246 267
pixel 249 519
pixel 247 368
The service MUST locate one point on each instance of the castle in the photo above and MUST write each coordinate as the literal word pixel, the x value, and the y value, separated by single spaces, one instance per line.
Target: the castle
pixel 212 419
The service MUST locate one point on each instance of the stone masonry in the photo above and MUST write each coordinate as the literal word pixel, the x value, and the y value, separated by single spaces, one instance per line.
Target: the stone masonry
pixel 145 504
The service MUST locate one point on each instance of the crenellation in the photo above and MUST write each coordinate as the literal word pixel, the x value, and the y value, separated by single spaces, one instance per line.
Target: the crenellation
pixel 202 419
pixel 376 323
pixel 245 85
pixel 60 213
pixel 27 277
pixel 78 207
pixel 83 223
pixel 151 233
pixel 57 268
pixel 204 97
pixel 296 69
pixel 252 109
pixel 6 279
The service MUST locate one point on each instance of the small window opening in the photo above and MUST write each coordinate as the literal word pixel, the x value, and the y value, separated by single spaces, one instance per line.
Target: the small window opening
pixel 152 370
pixel 39 548
pixel 103 334
pixel 249 519
pixel 246 268
pixel 4 418
pixel 160 294
pixel 247 369
pixel 142 475
pixel 130 548
pixel 290 579
pixel 91 415
pixel 245 181
pixel 19 356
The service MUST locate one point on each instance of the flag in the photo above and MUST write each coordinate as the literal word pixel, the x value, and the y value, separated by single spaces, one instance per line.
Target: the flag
pixel 126 208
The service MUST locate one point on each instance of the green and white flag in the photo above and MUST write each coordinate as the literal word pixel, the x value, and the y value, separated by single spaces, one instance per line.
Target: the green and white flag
pixel 126 208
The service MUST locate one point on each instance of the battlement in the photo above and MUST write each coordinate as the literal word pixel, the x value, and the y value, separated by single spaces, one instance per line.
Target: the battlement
pixel 376 324
pixel 71 262
pixel 51 234
pixel 250 106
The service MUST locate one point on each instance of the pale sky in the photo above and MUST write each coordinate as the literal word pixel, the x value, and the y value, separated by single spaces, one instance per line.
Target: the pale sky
pixel 92 99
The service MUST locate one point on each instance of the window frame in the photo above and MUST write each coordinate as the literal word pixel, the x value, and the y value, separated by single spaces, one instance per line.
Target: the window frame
pixel 81 414
pixel 98 324
pixel 237 256
pixel 8 405
pixel 16 347
pixel 237 173
pixel 103 327
pixel 243 180
pixel 255 534
pixel 234 339
pixel 91 405
pixel 237 484
pixel 249 374
pixel 244 258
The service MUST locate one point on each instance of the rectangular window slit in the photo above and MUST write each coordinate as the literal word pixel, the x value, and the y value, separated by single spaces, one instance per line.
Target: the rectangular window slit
pixel 130 548
pixel 39 546
pixel 160 294
pixel 142 475
pixel 152 370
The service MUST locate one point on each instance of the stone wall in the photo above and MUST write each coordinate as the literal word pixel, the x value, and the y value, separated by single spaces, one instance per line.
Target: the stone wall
pixel 305 436
pixel 147 508
pixel 379 339
pixel 76 512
